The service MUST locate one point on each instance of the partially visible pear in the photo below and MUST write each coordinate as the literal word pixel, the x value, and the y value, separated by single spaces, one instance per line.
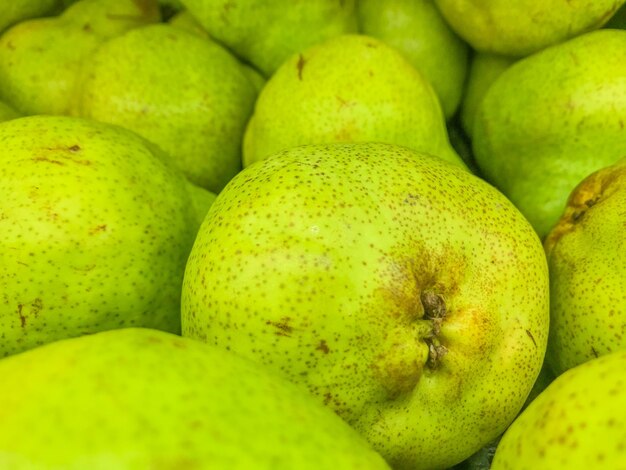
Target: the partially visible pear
pixel 266 33
pixel 578 422
pixel 351 88
pixel 618 20
pixel 190 96
pixel 40 58
pixel 483 71
pixel 551 119
pixel 417 29
pixel 15 11
pixel 96 229
pixel 523 27
pixel 144 399
pixel 586 253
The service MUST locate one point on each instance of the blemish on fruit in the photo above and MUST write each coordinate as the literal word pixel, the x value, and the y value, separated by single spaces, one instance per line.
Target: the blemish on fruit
pixel 530 335
pixel 323 347
pixel 300 65
pixel 283 328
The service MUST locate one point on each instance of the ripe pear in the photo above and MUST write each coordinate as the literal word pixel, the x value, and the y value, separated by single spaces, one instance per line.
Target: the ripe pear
pixel 40 58
pixel 523 27
pixel 138 398
pixel 551 119
pixel 351 88
pixel 577 422
pixel 585 252
pixel 417 29
pixel 408 295
pixel 484 69
pixel 15 11
pixel 266 33
pixel 190 97
pixel 97 226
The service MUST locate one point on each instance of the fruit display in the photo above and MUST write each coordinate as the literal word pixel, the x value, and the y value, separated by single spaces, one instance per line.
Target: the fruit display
pixel 343 234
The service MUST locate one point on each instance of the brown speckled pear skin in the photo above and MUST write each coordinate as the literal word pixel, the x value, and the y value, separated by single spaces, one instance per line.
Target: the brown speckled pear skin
pixel 96 229
pixel 407 294
pixel 144 399
pixel 351 88
pixel 586 254
pixel 578 422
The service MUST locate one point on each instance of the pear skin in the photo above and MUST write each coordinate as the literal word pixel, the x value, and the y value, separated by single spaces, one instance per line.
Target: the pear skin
pixel 585 252
pixel 351 88
pixel 551 119
pixel 577 422
pixel 523 27
pixel 417 29
pixel 137 398
pixel 96 230
pixel 405 293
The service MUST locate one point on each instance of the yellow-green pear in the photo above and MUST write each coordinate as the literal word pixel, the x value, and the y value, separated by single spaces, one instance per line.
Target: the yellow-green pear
pixel 190 96
pixel 551 119
pixel 523 27
pixel 578 422
pixel 586 254
pixel 484 69
pixel 265 33
pixel 407 294
pixel 15 11
pixel 40 58
pixel 144 399
pixel 96 229
pixel 417 29
pixel 351 88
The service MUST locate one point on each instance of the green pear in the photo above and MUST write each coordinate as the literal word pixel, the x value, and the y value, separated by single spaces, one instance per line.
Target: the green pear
pixel 578 422
pixel 7 112
pixel 144 399
pixel 265 33
pixel 407 294
pixel 585 252
pixel 523 27
pixel 351 88
pixel 186 21
pixel 417 29
pixel 96 230
pixel 190 97
pixel 15 11
pixel 40 58
pixel 483 71
pixel 551 119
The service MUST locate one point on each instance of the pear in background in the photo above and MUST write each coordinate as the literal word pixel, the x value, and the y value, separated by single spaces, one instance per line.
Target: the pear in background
pixel 40 58
pixel 586 253
pixel 15 11
pixel 577 422
pixel 351 88
pixel 618 20
pixel 407 294
pixel 483 71
pixel 417 29
pixel 551 119
pixel 265 33
pixel 525 26
pixel 190 96
pixel 97 227
pixel 7 112
pixel 186 21
pixel 144 399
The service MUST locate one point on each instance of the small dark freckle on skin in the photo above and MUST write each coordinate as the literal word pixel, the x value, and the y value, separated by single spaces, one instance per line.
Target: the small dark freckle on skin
pixel 323 347
pixel 530 335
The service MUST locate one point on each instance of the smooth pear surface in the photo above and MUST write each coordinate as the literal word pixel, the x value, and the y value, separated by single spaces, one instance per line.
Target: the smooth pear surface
pixel 577 422
pixel 190 96
pixel 144 399
pixel 407 294
pixel 523 27
pixel 266 33
pixel 15 11
pixel 551 119
pixel 351 88
pixel 417 29
pixel 586 254
pixel 97 227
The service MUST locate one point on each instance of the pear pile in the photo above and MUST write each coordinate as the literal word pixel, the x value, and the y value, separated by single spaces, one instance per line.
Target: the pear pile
pixel 357 234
